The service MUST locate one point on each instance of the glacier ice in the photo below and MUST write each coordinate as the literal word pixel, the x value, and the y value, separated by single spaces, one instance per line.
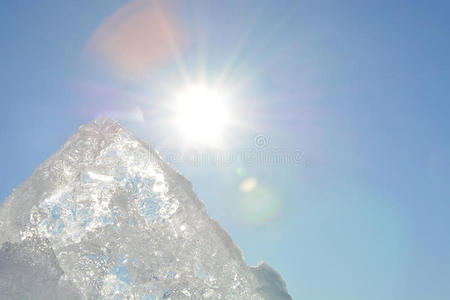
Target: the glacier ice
pixel 105 218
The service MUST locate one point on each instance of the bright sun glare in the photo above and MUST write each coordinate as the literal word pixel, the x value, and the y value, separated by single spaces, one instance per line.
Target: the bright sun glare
pixel 202 115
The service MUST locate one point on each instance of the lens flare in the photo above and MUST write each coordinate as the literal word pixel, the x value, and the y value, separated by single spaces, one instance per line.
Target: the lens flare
pixel 136 38
pixel 259 205
pixel 249 184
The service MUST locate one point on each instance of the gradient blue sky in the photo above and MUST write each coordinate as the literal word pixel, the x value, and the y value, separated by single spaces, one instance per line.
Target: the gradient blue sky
pixel 361 88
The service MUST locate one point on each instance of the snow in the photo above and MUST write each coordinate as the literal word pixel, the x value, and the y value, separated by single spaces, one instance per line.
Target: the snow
pixel 106 218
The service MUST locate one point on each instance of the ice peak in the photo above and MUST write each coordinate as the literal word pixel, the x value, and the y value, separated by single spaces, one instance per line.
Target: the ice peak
pixel 101 124
pixel 111 220
pixel 103 121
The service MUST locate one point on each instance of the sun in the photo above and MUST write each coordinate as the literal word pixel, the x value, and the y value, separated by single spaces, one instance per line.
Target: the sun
pixel 202 115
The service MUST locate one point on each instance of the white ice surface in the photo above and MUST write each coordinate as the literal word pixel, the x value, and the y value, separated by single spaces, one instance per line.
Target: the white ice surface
pixel 106 218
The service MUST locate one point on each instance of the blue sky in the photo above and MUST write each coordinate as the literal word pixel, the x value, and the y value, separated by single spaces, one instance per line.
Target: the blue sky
pixel 360 88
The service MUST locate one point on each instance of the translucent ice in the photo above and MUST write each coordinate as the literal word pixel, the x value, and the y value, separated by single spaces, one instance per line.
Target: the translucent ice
pixel 106 218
